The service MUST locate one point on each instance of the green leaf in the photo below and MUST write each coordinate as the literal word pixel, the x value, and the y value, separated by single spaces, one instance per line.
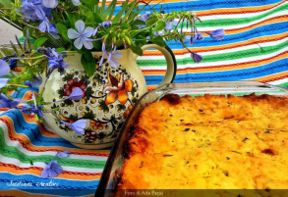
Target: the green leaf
pixel 111 8
pixel 60 49
pixel 139 22
pixel 159 41
pixel 62 29
pixel 40 41
pixel 123 9
pixel 159 26
pixel 151 20
pixel 137 50
pixel 89 63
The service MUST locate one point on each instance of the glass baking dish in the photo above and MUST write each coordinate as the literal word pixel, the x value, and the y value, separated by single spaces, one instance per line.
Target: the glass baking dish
pixel 112 170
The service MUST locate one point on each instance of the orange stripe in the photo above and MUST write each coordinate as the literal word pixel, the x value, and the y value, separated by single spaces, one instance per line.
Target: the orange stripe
pixel 261 23
pixel 257 40
pixel 27 96
pixel 26 143
pixel 241 10
pixel 275 77
pixel 221 67
pixel 37 171
pixel 32 119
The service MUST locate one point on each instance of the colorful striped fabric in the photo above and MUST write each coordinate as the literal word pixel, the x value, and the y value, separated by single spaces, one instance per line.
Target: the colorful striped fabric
pixel 255 47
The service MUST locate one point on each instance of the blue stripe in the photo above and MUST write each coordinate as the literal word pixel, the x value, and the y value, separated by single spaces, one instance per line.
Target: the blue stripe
pixel 272 68
pixel 266 30
pixel 60 187
pixel 33 132
pixel 19 93
pixel 206 5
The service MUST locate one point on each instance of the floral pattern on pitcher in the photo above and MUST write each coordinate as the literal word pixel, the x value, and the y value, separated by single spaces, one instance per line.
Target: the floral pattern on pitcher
pixel 108 97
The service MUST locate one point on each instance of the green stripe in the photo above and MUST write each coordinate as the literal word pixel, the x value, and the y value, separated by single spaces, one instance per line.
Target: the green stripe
pixel 13 152
pixel 238 21
pixel 219 57
pixel 283 85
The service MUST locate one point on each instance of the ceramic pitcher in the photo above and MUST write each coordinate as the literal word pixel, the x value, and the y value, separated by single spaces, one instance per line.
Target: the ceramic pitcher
pixel 109 96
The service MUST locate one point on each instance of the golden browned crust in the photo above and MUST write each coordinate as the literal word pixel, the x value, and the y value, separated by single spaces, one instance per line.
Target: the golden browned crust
pixel 225 142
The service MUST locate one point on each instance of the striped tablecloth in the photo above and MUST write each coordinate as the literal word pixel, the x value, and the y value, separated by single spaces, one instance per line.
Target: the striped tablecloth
pixel 255 47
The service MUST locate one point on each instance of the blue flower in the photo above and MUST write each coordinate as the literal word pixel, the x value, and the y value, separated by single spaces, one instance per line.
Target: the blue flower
pixel 78 126
pixel 3 82
pixel 4 68
pixel 32 10
pixel 32 109
pixel 52 169
pixel 197 58
pixel 196 37
pixel 76 94
pixel 76 2
pixel 11 60
pixel 81 34
pixel 6 102
pixel 106 24
pixel 37 10
pixel 63 154
pixel 113 58
pixel 50 3
pixel 145 16
pixel 55 60
pixel 217 34
pixel 34 83
pixel 104 52
pixel 46 26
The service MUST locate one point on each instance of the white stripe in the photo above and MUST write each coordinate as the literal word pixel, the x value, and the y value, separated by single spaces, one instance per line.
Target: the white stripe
pixel 181 65
pixel 50 153
pixel 221 51
pixel 280 81
pixel 236 26
pixel 13 161
pixel 246 15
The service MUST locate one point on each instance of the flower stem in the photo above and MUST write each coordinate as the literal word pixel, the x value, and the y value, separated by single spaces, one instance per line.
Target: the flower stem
pixel 18 85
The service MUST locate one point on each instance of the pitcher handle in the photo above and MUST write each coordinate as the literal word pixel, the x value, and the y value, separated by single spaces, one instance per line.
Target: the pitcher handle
pixel 170 59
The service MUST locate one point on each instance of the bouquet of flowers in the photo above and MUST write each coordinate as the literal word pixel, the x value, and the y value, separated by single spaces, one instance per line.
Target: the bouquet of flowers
pixel 52 27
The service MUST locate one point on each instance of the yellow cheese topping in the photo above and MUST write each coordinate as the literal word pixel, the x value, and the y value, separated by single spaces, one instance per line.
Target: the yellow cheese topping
pixel 215 142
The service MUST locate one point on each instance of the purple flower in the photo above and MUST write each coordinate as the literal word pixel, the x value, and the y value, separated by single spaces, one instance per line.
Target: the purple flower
pixel 145 16
pixel 78 126
pixel 113 58
pixel 46 26
pixel 76 94
pixel 32 109
pixel 4 68
pixel 104 52
pixel 55 60
pixel 34 83
pixel 76 2
pixel 50 3
pixel 11 60
pixel 37 10
pixel 106 24
pixel 81 34
pixel 32 10
pixel 52 169
pixel 196 37
pixel 3 82
pixel 63 154
pixel 170 25
pixel 197 58
pixel 217 34
pixel 6 102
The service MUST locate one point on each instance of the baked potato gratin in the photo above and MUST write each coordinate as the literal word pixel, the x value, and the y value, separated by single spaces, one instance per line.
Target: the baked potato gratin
pixel 210 141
